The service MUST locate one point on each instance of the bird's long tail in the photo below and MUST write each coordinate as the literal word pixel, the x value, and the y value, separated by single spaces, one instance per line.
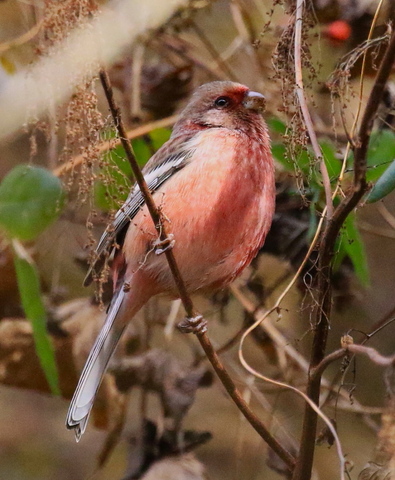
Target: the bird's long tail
pixel 95 367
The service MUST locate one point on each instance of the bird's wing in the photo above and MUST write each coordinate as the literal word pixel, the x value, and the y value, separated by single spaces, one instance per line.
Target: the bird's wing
pixel 169 159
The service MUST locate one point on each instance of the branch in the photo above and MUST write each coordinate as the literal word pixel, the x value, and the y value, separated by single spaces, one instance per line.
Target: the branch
pixel 305 460
pixel 305 110
pixel 283 343
pixel 213 51
pixel 317 371
pixel 375 356
pixel 185 298
pixel 110 144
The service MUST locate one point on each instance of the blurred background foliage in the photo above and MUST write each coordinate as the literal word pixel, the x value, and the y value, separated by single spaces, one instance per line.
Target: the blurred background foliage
pixel 63 174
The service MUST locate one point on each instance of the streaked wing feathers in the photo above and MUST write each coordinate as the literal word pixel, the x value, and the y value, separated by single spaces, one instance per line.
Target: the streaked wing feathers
pixel 155 174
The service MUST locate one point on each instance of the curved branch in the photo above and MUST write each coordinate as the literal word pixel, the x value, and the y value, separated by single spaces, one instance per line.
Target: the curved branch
pixel 356 349
pixel 305 110
pixel 109 144
pixel 185 298
pixel 305 460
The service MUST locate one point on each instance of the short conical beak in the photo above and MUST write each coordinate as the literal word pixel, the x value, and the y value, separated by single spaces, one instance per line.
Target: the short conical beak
pixel 254 101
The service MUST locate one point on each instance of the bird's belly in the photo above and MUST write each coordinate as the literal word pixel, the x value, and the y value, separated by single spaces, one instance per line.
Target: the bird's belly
pixel 216 234
pixel 218 226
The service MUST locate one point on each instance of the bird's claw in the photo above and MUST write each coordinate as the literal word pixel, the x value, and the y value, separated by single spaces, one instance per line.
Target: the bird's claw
pixel 196 325
pixel 160 246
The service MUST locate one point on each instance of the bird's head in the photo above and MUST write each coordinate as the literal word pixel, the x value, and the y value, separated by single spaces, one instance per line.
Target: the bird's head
pixel 222 104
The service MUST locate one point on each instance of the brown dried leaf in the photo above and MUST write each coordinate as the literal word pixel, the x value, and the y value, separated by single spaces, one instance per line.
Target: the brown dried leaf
pixel 19 365
pixel 161 372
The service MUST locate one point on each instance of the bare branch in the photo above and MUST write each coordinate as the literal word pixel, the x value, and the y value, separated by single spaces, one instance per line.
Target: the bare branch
pixel 213 51
pixel 109 144
pixel 305 460
pixel 305 110
pixel 321 367
pixel 372 353
pixel 186 300
pixel 283 343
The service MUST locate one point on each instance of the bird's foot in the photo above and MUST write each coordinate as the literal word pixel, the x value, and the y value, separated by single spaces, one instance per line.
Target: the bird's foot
pixel 160 246
pixel 194 325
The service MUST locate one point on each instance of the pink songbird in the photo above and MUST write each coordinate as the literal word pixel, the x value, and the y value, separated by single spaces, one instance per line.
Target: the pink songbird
pixel 214 182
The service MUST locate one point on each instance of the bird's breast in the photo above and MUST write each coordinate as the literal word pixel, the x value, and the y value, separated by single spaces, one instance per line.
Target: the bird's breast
pixel 219 209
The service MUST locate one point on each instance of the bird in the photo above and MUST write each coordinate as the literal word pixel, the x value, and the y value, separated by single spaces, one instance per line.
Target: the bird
pixel 214 183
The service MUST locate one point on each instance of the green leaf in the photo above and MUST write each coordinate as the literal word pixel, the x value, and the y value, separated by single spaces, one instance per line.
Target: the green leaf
pixel 305 162
pixel 384 185
pixel 31 198
pixel 350 244
pixel 331 161
pixel 30 292
pixel 313 220
pixel 381 153
pixel 159 136
pixel 112 190
pixel 276 125
pixel 279 153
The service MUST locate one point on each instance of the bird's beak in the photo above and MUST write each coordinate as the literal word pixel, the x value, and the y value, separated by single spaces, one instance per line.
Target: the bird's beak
pixel 254 101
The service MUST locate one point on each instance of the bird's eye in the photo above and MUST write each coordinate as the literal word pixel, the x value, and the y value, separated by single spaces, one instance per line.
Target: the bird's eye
pixel 222 102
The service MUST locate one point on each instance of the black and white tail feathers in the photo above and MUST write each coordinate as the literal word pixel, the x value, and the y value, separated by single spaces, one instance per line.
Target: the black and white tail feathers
pixel 95 367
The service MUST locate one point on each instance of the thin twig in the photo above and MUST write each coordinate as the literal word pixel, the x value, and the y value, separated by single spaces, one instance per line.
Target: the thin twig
pixel 372 353
pixel 351 142
pixel 317 371
pixel 213 51
pixel 137 68
pixel 305 110
pixel 364 410
pixel 185 51
pixel 153 210
pixel 308 401
pixel 383 323
pixel 369 42
pixel 281 341
pixel 185 298
pixel 110 144
pixel 305 460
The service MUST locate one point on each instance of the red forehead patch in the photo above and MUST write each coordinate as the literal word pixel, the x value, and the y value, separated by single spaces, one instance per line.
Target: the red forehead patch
pixel 236 92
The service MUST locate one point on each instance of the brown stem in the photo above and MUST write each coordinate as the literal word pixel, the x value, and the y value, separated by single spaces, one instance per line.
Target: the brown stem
pixel 185 298
pixel 153 210
pixel 317 371
pixel 299 87
pixel 213 52
pixel 227 345
pixel 306 454
pixel 74 162
pixel 183 49
pixel 355 349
